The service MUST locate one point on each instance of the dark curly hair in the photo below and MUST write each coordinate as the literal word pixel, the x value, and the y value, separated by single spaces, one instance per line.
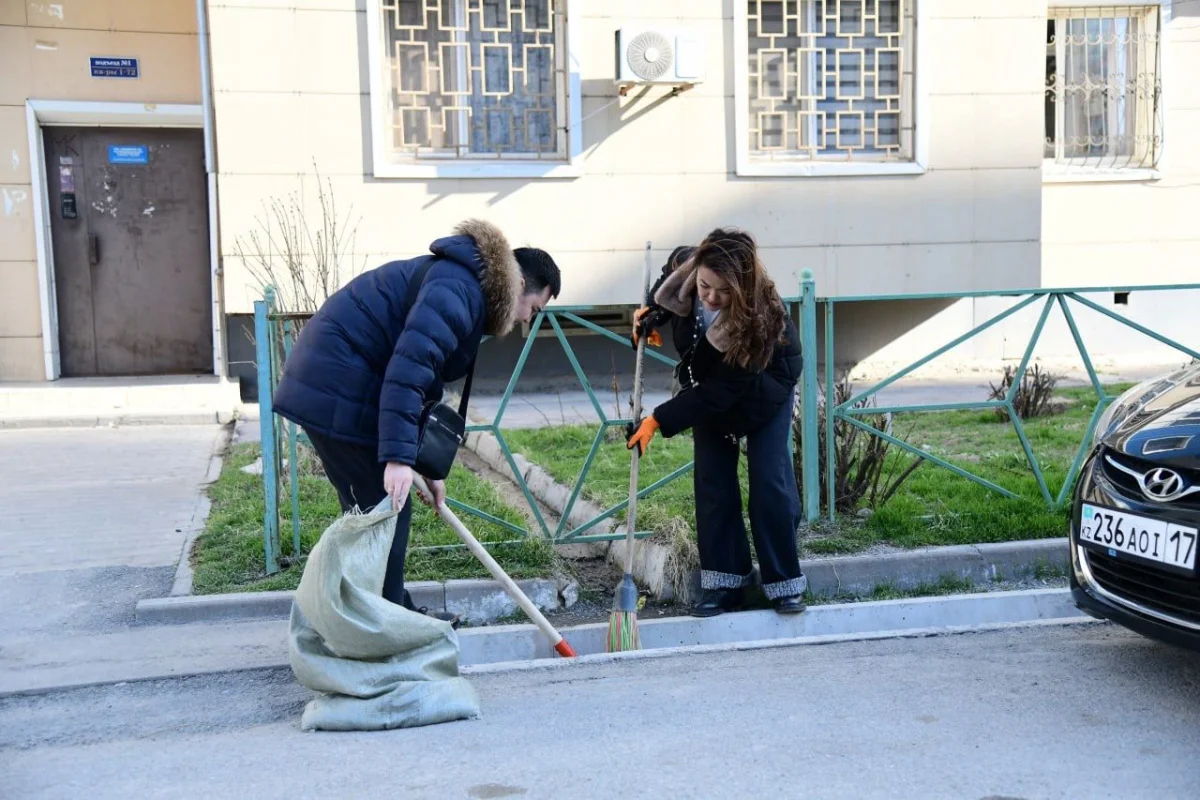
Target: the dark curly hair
pixel 757 317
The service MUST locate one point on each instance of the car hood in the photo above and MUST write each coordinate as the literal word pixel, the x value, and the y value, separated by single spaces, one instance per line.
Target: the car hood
pixel 1160 422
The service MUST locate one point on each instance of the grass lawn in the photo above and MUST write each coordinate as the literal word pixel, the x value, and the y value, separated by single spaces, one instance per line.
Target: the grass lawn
pixel 561 451
pixel 229 555
pixel 934 507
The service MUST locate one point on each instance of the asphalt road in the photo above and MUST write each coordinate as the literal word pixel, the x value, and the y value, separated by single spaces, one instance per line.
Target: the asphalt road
pixel 1062 712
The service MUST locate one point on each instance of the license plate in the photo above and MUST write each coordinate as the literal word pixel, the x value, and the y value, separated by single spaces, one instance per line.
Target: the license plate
pixel 1151 539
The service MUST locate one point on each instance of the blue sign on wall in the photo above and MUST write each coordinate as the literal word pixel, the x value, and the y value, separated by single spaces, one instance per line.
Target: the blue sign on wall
pixel 128 154
pixel 109 67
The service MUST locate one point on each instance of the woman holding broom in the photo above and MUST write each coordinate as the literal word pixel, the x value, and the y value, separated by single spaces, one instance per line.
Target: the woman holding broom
pixel 739 364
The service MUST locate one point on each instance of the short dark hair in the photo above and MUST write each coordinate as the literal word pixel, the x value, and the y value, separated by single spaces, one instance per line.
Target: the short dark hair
pixel 539 270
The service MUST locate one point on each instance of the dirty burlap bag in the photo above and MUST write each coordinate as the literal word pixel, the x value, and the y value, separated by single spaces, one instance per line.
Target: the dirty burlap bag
pixel 377 665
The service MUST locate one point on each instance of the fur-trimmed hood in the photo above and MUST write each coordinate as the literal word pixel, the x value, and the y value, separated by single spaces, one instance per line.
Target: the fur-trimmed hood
pixel 677 294
pixel 499 273
pixel 353 373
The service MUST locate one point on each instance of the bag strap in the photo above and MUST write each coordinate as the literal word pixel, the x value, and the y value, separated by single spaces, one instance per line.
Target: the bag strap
pixel 414 288
pixel 466 395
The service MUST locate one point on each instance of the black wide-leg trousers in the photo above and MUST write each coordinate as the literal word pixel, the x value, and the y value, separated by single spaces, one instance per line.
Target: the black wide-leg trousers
pixel 774 509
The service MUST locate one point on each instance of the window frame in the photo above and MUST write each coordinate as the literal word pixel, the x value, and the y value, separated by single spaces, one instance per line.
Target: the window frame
pixel 1053 172
pixel 746 166
pixel 383 165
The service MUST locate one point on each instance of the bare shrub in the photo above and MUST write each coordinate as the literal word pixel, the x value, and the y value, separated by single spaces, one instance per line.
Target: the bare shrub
pixel 303 261
pixel 864 474
pixel 1034 396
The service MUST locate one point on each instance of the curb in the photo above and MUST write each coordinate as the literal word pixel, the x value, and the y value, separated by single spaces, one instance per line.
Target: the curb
pixel 184 574
pixel 979 563
pixel 533 665
pixel 524 643
pixel 482 602
pixel 478 602
pixel 509 648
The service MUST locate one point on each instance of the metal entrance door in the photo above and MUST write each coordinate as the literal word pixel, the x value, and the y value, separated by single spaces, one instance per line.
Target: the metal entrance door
pixel 129 222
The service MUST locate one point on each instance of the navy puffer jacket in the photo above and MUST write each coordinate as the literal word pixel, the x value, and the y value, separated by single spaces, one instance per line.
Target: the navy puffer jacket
pixel 365 364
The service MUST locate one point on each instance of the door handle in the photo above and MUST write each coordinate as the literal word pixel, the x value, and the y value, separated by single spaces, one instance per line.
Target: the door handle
pixel 93 249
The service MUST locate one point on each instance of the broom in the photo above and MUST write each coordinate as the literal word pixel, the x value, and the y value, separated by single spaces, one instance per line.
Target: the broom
pixel 556 640
pixel 622 621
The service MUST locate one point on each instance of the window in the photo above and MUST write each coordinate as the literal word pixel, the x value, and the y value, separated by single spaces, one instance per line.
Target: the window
pixel 1103 90
pixel 467 83
pixel 827 82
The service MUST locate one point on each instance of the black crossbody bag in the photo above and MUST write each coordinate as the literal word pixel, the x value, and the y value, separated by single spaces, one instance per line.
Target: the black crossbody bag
pixel 441 429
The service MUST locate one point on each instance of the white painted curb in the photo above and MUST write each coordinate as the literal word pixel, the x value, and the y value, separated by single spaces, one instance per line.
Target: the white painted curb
pixel 260 646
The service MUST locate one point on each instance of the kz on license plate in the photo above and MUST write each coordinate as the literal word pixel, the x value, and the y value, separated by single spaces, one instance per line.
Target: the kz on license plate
pixel 1152 539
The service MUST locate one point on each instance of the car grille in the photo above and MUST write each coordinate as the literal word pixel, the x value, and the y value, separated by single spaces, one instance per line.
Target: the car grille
pixel 1129 485
pixel 1169 594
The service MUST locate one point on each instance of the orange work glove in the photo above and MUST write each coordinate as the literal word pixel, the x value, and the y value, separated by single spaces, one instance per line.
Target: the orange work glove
pixel 654 339
pixel 641 438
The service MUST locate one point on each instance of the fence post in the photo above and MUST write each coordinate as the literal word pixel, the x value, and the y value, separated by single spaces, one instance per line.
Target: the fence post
pixel 266 425
pixel 293 454
pixel 808 395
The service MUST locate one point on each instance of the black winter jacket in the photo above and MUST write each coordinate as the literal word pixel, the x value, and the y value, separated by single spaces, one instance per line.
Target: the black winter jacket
pixel 736 401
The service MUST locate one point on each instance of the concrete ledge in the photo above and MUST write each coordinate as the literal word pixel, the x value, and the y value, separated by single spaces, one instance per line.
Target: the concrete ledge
pixel 121 419
pixel 214 607
pixel 858 575
pixel 525 642
pixel 480 602
pixel 152 653
pixel 477 602
pixel 770 644
pixel 88 402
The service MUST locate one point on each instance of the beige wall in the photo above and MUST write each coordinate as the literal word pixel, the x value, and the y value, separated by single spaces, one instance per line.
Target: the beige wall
pixel 666 175
pixel 44 50
pixel 1141 233
pixel 1093 235
pixel 1119 234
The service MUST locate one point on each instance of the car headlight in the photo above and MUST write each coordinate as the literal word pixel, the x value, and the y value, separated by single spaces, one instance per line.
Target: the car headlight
pixel 1122 402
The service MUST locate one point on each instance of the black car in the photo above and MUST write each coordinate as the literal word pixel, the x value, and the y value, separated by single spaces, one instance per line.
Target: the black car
pixel 1135 527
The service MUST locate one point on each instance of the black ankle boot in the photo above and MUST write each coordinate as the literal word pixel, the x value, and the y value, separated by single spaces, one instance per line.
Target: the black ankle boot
pixel 444 616
pixel 717 601
pixel 789 605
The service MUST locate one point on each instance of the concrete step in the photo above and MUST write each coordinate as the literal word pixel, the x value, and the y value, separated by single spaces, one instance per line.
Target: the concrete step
pixel 92 401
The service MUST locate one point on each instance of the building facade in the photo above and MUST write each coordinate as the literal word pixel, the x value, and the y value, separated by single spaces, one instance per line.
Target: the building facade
pixel 893 147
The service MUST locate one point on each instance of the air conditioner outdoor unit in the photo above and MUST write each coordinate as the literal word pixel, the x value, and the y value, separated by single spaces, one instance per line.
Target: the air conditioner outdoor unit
pixel 648 56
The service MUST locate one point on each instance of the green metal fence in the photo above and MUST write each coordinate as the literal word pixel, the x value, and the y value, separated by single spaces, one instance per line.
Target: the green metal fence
pixel 275 331
pixel 850 411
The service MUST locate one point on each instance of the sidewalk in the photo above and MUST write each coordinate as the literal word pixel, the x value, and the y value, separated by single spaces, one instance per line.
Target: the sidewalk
pixel 92 520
